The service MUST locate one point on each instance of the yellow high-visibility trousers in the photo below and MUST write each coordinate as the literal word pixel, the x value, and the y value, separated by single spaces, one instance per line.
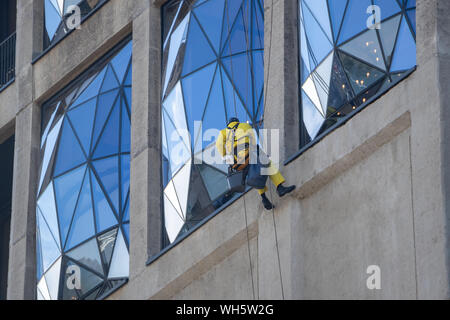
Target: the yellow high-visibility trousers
pixel 276 178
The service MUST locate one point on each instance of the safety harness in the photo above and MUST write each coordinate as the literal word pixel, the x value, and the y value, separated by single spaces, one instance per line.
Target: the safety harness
pixel 238 164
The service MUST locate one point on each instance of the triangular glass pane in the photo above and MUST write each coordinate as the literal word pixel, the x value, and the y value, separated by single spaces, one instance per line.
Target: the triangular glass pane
pixel 179 153
pixel 388 34
pixel 181 184
pixel 110 81
pixel 127 98
pixel 49 148
pixel 42 287
pixel 214 118
pixel 210 16
pixel 172 221
pixel 82 227
pixel 337 10
pixel 106 243
pixel 306 68
pixel 355 20
pixel 319 10
pixel 120 261
pixel 105 103
pixel 108 143
pixel 233 103
pixel 171 194
pixel 67 189
pixel 239 38
pixel 46 204
pixel 104 216
pixel 257 28
pixel 125 178
pixel 174 107
pixel 319 44
pixel 52 19
pixel 196 89
pixel 88 255
pixel 388 8
pixel 239 71
pixel 258 77
pixel 89 280
pixel 91 91
pixel 70 154
pixel 340 90
pixel 129 76
pixel 412 18
pixel 321 77
pixel 366 47
pixel 56 5
pixel 231 10
pixel 125 136
pixel 69 278
pixel 121 61
pixel 48 124
pixel 310 89
pixel 411 4
pixel 176 40
pixel 40 297
pixel 198 51
pixel 405 50
pixel 312 118
pixel 108 172
pixel 126 231
pixel 82 119
pixel 361 75
pixel 70 96
pixel 49 247
pixel 214 180
pixel 39 266
pixel 126 213
pixel 52 278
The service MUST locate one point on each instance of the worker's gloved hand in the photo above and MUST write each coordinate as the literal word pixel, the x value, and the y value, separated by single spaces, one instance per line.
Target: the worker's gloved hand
pixel 282 190
pixel 266 202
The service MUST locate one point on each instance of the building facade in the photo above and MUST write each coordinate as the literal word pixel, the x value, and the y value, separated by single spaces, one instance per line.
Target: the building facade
pixel 111 187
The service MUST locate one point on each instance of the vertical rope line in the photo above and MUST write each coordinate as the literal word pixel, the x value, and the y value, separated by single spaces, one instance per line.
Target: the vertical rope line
pixel 248 247
pixel 277 247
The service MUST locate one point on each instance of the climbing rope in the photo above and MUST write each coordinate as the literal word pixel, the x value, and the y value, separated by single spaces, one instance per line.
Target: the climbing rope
pixel 270 187
pixel 235 113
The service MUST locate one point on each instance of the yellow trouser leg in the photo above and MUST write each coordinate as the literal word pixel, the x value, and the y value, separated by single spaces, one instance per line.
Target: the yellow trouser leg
pixel 277 179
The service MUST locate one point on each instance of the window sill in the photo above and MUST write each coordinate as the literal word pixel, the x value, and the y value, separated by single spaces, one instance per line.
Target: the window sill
pixel 345 119
pixel 6 85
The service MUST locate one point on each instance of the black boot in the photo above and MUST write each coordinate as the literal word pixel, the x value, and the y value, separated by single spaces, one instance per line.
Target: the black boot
pixel 266 202
pixel 282 190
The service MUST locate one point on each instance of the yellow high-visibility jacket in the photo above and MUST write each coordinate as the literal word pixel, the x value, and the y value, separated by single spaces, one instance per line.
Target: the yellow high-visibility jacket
pixel 244 137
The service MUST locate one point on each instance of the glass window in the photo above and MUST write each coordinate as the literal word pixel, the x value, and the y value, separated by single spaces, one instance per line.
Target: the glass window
pixel 349 51
pixel 82 207
pixel 60 18
pixel 213 69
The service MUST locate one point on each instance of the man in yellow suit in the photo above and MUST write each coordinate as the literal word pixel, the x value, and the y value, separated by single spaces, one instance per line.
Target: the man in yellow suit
pixel 237 139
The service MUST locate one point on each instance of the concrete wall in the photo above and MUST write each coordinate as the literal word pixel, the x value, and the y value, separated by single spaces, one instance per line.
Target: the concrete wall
pixel 373 192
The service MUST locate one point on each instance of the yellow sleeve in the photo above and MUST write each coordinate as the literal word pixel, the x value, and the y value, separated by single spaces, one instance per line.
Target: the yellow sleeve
pixel 220 143
pixel 250 133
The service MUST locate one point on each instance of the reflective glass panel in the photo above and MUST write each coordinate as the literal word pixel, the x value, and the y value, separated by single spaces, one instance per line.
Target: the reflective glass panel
pixel 349 52
pixel 85 182
pixel 213 70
